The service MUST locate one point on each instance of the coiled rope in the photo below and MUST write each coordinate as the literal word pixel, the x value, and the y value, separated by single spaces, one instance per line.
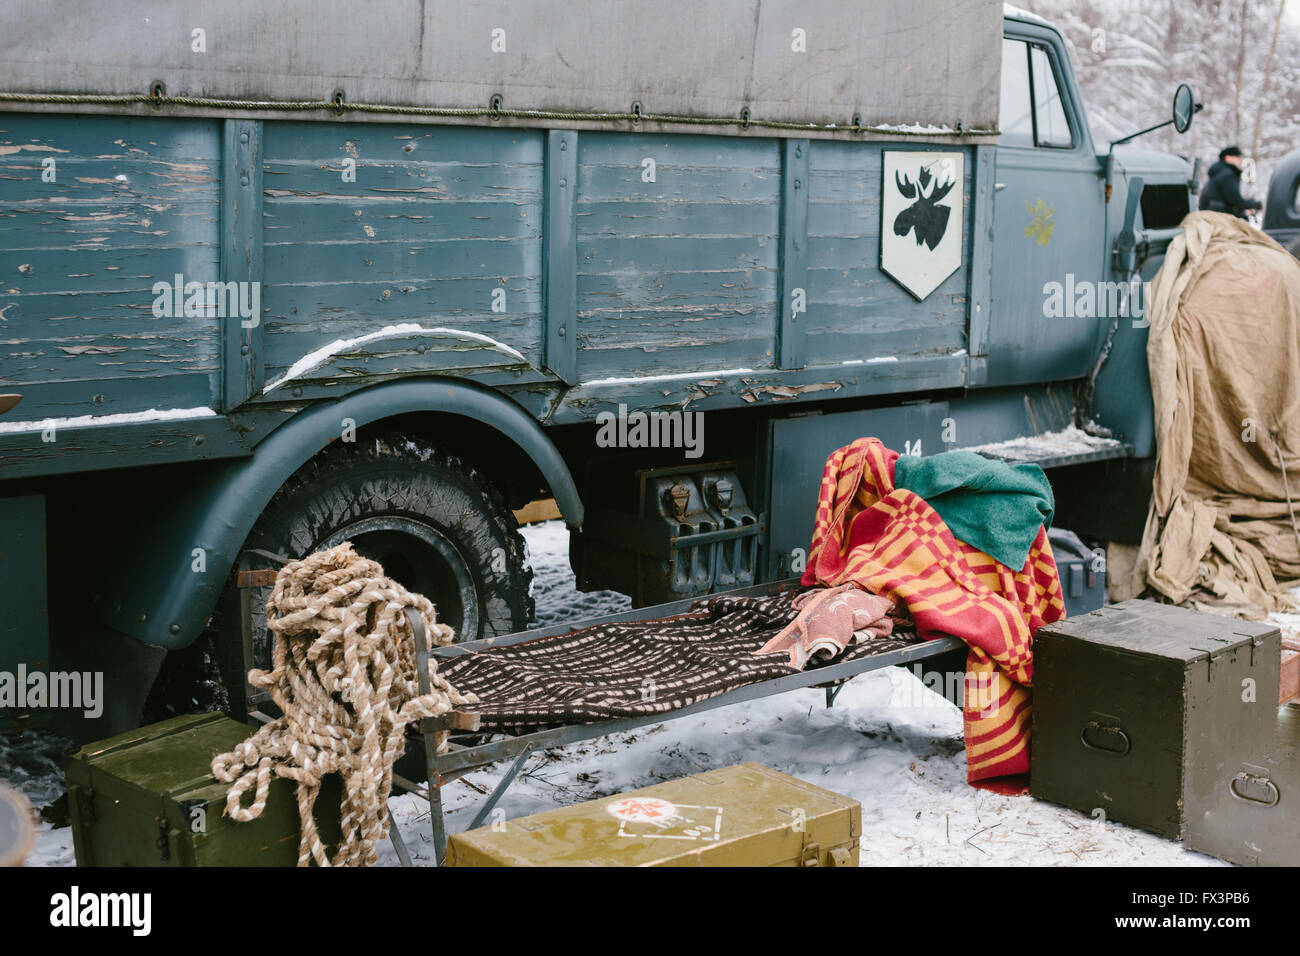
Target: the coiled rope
pixel 344 677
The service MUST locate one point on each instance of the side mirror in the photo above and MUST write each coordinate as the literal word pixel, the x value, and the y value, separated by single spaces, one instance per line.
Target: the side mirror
pixel 1185 107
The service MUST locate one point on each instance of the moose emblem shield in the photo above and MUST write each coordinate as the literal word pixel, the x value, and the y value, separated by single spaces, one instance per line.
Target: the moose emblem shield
pixel 921 218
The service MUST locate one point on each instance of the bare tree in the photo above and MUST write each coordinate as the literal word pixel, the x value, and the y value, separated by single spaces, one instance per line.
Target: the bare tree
pixel 1149 46
pixel 1268 79
pixel 1240 73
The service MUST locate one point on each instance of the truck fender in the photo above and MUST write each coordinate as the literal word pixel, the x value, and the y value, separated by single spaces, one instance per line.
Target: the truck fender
pixel 163 595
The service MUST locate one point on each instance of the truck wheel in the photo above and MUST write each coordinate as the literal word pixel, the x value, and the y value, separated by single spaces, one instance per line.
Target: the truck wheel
pixel 436 525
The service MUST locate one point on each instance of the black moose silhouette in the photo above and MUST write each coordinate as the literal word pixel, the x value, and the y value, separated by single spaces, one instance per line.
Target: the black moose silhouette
pixel 926 216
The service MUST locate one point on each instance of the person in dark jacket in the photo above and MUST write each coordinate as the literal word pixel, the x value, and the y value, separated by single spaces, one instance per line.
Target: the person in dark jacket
pixel 1222 192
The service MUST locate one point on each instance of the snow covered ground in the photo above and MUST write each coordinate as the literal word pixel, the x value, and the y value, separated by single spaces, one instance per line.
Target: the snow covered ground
pixel 888 742
pixel 904 762
pixel 31 763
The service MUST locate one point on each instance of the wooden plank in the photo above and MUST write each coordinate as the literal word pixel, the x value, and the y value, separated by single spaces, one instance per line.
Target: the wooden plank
pixel 241 258
pixel 535 511
pixel 371 227
pixel 707 391
pixel 794 252
pixel 677 251
pixel 256 578
pixel 102 447
pixel 1290 686
pixel 857 313
pixel 560 254
pixel 94 213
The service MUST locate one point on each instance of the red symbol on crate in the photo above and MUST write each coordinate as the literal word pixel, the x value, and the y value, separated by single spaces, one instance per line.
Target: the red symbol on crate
pixel 642 809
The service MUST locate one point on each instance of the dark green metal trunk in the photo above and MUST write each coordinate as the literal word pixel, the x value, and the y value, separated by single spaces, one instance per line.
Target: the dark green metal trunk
pixel 1250 814
pixel 1137 703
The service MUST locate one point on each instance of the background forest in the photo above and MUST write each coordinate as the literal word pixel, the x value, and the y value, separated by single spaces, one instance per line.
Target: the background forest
pixel 1241 56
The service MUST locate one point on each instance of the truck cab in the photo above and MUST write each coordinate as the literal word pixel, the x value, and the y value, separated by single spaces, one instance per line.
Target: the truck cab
pixel 1061 217
pixel 1079 227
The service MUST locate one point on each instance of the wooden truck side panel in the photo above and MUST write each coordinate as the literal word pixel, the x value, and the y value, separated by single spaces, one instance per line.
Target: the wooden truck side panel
pixel 370 227
pixel 428 227
pixel 94 211
pixel 856 311
pixel 396 250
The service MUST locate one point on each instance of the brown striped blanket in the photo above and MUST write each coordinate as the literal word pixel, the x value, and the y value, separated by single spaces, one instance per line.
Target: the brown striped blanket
pixel 635 668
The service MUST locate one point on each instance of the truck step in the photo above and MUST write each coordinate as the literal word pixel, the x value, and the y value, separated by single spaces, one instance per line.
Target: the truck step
pixel 1069 446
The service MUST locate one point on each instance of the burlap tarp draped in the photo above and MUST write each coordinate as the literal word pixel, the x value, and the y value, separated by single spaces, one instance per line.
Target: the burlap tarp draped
pixel 1224 355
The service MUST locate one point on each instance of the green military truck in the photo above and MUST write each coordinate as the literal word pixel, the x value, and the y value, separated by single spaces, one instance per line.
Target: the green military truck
pixel 273 278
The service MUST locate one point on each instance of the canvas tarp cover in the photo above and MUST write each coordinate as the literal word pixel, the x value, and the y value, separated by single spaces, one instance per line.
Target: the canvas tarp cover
pixel 813 63
pixel 1224 355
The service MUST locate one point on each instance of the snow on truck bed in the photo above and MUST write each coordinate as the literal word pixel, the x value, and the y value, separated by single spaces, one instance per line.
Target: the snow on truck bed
pixel 1068 442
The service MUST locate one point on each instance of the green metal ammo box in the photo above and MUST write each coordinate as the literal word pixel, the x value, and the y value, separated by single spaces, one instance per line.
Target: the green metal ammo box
pixel 1251 814
pixel 1136 703
pixel 148 798
pixel 746 815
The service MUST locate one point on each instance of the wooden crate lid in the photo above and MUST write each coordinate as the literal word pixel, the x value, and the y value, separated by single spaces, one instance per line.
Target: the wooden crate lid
pixel 1152 629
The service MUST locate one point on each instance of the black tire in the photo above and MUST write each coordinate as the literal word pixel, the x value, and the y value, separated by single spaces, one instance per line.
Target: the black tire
pixel 437 526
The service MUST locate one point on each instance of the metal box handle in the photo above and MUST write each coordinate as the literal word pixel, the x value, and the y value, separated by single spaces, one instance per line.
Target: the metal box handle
pixel 1125 744
pixel 1275 796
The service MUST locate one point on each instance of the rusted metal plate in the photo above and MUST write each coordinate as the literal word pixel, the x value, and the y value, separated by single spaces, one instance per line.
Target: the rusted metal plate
pixel 256 578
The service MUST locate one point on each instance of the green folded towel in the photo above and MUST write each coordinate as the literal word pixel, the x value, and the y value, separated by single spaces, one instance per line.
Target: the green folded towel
pixel 992 505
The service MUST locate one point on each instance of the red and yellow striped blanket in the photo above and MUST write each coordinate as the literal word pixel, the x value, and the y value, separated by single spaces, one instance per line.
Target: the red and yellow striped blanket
pixel 891 542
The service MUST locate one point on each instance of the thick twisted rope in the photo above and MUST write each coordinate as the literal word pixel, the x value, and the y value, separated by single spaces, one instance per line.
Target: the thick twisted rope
pixel 344 677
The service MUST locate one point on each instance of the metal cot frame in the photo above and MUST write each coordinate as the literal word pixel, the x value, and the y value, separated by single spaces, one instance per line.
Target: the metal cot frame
pixel 441 769
pixel 461 759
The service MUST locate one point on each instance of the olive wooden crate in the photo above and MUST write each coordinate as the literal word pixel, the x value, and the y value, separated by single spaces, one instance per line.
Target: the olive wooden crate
pixel 148 798
pixel 1135 704
pixel 745 815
